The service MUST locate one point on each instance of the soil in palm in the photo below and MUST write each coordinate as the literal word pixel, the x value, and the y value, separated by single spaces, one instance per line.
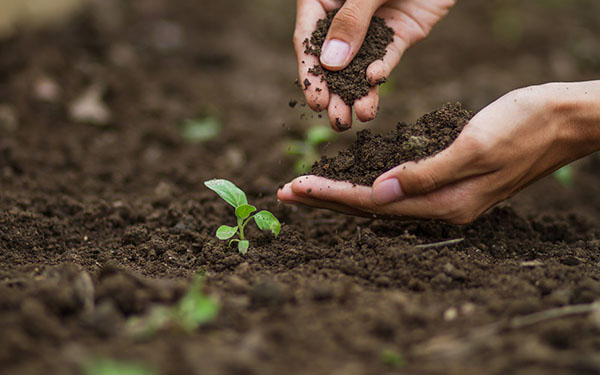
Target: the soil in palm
pixel 373 154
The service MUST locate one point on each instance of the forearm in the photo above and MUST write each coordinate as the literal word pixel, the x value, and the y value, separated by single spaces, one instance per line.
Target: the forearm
pixel 577 107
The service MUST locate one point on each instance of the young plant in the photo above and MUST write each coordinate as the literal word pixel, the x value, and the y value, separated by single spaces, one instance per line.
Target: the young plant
pixel 243 211
pixel 564 175
pixel 194 309
pixel 200 129
pixel 109 366
pixel 308 149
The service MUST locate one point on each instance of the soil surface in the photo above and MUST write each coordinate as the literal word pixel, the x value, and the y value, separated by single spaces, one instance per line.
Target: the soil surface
pixel 351 83
pixel 371 155
pixel 101 221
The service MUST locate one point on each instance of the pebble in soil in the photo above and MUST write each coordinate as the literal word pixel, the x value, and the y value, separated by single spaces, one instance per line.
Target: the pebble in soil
pixel 373 154
pixel 351 82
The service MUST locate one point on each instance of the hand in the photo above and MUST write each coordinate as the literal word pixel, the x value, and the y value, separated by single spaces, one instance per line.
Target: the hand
pixel 511 143
pixel 411 20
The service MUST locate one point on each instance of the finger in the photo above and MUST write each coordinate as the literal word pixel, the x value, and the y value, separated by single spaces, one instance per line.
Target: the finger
pixel 464 158
pixel 411 22
pixel 380 70
pixel 453 203
pixel 347 33
pixel 366 107
pixel 315 90
pixel 340 114
pixel 286 195
pixel 347 193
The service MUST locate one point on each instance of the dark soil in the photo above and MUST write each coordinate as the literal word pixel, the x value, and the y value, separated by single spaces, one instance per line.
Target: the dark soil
pixel 100 224
pixel 371 155
pixel 351 83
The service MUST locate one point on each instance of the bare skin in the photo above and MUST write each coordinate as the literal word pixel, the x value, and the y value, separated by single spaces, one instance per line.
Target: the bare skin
pixel 412 20
pixel 521 137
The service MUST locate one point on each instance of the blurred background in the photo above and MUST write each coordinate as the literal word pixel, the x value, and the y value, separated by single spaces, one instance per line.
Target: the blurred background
pixel 158 80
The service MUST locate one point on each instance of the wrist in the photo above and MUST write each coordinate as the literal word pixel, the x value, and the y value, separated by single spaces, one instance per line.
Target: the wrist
pixel 575 108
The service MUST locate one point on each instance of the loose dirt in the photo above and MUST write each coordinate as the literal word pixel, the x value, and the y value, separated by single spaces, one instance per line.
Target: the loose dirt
pixel 351 83
pixel 99 224
pixel 371 155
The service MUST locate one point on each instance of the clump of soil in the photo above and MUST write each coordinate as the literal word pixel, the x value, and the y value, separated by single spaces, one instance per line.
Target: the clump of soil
pixel 351 82
pixel 371 155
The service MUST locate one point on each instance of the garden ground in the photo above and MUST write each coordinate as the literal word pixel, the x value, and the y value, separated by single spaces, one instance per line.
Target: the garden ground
pixel 100 222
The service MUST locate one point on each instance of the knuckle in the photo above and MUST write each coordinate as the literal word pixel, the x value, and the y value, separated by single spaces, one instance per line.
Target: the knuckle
pixel 423 181
pixel 348 19
pixel 475 146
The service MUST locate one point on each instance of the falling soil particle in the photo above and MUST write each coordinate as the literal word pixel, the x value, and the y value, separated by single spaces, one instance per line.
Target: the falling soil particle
pixel 371 155
pixel 351 82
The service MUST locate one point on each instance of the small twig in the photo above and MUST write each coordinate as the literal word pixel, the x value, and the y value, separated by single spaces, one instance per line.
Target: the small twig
pixel 559 312
pixel 440 244
pixel 358 231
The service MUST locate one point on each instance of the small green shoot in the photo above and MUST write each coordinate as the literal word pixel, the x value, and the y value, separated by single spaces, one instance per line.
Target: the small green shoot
pixel 392 358
pixel 200 129
pixel 193 310
pixel 564 175
pixel 388 87
pixel 233 195
pixel 308 149
pixel 107 366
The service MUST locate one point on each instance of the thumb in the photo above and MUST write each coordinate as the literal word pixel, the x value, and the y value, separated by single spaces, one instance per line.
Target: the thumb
pixel 347 33
pixel 415 178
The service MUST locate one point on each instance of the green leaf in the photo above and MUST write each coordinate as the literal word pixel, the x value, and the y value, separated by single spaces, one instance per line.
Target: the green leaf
pixel 196 308
pixel 107 366
pixel 303 165
pixel 319 134
pixel 296 148
pixel 266 221
pixel 392 358
pixel 244 211
pixel 225 232
pixel 228 191
pixel 243 246
pixel 147 325
pixel 200 130
pixel 565 175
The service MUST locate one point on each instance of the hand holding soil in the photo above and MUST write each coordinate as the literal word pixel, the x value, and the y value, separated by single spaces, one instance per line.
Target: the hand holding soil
pixel 411 21
pixel 521 137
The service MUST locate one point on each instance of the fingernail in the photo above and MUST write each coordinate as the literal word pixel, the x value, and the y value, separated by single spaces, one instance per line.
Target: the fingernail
pixel 387 191
pixel 334 53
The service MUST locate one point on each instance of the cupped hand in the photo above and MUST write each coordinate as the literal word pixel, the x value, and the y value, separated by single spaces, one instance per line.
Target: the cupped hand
pixel 511 143
pixel 411 21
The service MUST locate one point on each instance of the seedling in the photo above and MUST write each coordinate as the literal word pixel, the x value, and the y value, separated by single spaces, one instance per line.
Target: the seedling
pixel 308 149
pixel 243 211
pixel 564 175
pixel 107 366
pixel 200 129
pixel 392 358
pixel 193 310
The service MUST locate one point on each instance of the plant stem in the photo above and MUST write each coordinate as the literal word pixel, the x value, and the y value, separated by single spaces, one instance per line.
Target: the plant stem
pixel 242 225
pixel 240 228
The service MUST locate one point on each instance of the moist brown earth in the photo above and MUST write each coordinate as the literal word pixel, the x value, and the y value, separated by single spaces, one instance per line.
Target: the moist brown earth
pixel 99 224
pixel 371 155
pixel 351 83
